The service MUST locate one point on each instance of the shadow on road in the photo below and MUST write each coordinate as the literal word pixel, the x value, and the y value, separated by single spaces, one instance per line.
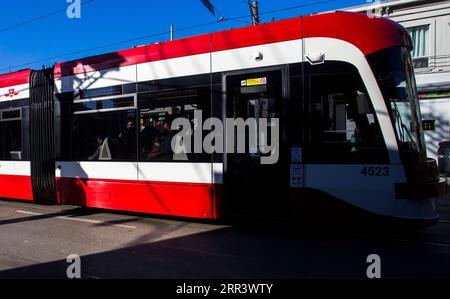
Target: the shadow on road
pixel 237 253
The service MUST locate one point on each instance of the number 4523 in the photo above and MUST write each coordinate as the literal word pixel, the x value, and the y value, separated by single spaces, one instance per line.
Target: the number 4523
pixel 375 171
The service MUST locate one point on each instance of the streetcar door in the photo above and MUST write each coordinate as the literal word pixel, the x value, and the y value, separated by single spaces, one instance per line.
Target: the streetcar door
pixel 255 180
pixel 346 158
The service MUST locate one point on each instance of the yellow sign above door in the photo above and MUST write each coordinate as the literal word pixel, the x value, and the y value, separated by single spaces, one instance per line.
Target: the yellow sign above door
pixel 254 82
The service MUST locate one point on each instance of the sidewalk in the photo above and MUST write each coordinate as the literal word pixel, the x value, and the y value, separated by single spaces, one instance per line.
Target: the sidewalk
pixel 445 201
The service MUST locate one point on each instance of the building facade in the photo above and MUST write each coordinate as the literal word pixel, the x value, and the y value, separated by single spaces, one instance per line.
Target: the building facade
pixel 428 22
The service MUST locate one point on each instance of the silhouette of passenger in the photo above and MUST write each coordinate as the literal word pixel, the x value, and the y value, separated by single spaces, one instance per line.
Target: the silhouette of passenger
pixel 166 138
pixel 148 134
pixel 96 154
pixel 155 150
pixel 128 140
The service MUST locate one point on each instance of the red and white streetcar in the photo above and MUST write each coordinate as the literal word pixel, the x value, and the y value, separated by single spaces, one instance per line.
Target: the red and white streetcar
pixel 95 131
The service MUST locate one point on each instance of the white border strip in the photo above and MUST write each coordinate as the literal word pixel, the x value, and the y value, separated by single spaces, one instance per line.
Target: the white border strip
pixel 22 90
pixel 221 61
pixel 177 172
pixel 97 170
pixel 245 58
pixel 174 67
pixel 97 79
pixel 22 168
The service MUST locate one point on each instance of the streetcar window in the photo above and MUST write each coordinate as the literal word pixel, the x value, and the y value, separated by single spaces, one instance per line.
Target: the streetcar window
pixel 10 114
pixel 104 104
pixel 108 91
pixel 101 92
pixel 393 69
pixel 344 126
pixel 104 136
pixel 158 110
pixel 10 140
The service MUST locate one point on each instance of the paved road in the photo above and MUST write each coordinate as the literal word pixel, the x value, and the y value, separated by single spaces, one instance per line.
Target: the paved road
pixel 35 241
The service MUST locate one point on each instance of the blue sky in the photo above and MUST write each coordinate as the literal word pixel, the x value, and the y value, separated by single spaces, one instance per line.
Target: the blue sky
pixel 104 22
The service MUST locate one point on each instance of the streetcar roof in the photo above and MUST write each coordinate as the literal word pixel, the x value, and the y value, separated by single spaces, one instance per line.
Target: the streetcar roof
pixel 366 33
pixel 15 78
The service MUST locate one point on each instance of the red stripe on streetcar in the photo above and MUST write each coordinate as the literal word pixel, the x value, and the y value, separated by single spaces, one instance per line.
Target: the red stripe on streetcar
pixel 165 198
pixel 160 51
pixel 16 187
pixel 275 32
pixel 16 78
pixel 367 34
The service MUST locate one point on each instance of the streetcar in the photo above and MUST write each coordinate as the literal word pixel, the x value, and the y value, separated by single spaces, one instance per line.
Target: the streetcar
pixel 96 132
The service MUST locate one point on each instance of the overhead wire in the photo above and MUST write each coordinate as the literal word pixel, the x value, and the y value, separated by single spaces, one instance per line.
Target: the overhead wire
pixel 39 17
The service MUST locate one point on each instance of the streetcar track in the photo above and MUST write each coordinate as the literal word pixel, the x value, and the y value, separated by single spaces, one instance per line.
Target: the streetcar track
pixel 109 216
pixel 422 242
pixel 86 220
pixel 411 241
pixel 368 237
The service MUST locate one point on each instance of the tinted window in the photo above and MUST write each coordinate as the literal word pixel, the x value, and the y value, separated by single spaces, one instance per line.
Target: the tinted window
pixel 10 115
pixel 11 135
pixel 94 105
pixel 343 125
pixel 395 75
pixel 105 136
pixel 157 111
pixel 108 91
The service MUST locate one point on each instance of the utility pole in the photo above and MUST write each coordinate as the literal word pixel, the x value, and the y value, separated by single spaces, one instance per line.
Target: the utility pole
pixel 254 11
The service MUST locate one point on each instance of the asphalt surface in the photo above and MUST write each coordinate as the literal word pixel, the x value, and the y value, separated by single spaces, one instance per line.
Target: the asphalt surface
pixel 36 240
